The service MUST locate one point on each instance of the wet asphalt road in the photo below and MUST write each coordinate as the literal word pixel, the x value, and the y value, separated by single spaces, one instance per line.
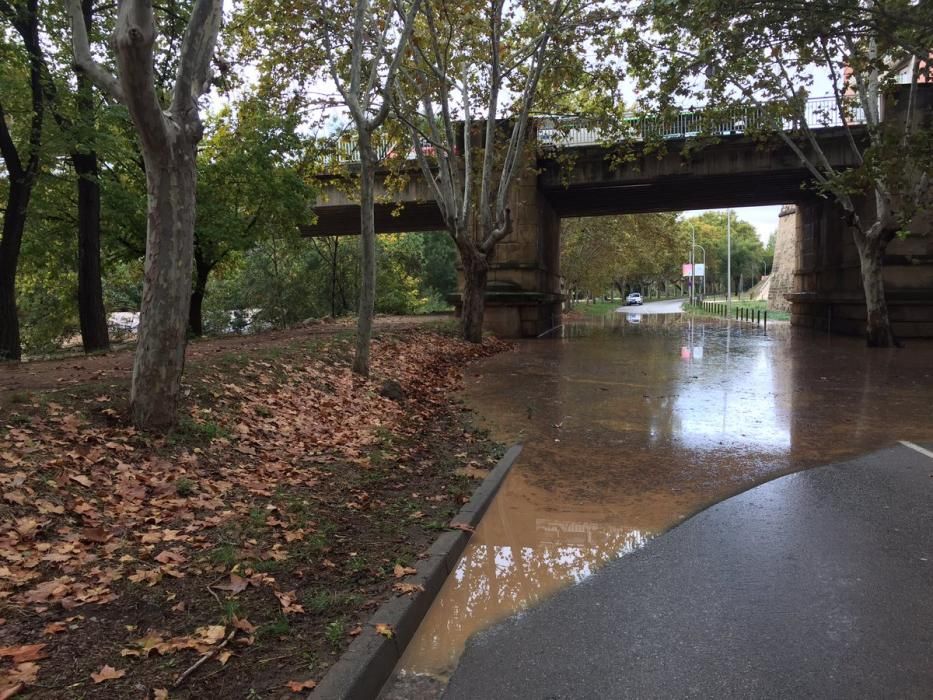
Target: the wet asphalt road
pixel 668 306
pixel 816 584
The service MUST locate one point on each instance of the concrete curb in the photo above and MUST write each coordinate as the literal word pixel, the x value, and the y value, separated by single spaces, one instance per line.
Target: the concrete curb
pixel 367 664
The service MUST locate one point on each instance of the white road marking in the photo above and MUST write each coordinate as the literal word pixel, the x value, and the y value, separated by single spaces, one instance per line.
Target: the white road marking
pixel 917 448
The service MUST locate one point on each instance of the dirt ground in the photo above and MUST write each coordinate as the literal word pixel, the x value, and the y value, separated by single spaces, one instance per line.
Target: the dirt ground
pixel 52 374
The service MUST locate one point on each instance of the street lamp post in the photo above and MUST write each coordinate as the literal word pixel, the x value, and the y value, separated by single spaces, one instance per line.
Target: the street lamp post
pixel 693 245
pixel 729 257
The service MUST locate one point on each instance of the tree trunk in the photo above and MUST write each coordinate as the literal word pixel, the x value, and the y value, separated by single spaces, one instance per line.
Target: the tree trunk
pixel 94 335
pixel 195 317
pixel 333 279
pixel 364 323
pixel 475 274
pixel 171 179
pixel 878 330
pixel 14 223
pixel 93 317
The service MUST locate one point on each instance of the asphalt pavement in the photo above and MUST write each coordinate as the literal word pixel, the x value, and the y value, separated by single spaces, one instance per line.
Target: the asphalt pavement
pixel 668 306
pixel 817 584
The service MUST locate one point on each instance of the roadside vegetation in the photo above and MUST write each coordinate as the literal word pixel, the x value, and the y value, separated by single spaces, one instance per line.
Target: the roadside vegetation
pixel 260 533
pixel 645 253
pixel 752 306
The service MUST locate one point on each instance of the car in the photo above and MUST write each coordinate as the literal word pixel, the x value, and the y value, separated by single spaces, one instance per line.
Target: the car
pixel 634 299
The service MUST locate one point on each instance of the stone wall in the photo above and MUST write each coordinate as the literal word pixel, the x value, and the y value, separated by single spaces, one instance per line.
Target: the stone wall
pixel 781 281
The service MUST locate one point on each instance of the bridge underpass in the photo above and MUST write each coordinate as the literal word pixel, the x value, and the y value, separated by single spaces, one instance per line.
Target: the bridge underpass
pixel 524 296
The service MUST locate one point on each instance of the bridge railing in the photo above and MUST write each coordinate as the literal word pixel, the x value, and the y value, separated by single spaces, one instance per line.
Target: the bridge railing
pixel 819 113
pixel 570 132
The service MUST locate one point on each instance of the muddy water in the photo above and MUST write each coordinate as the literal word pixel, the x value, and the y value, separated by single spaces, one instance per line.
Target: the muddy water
pixel 630 427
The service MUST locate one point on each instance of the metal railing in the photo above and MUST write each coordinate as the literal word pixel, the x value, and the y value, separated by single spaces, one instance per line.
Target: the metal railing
pixel 571 132
pixel 819 113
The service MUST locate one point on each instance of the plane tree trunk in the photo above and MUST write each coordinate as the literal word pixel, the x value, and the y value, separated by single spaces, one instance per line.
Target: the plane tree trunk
pixel 168 139
pixel 364 324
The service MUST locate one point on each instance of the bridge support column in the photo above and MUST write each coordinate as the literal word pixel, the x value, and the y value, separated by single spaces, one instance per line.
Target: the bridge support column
pixel 828 293
pixel 523 297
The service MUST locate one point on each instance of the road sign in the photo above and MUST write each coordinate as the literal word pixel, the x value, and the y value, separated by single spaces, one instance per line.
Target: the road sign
pixel 700 270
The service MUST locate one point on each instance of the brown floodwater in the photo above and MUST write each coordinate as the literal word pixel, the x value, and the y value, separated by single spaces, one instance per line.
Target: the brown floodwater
pixel 632 423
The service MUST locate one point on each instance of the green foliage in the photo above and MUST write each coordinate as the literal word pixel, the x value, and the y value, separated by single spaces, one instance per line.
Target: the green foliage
pixel 750 259
pixel 630 250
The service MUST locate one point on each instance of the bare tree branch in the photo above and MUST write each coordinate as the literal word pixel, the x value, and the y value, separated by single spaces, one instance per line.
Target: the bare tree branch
pixel 197 49
pixel 99 74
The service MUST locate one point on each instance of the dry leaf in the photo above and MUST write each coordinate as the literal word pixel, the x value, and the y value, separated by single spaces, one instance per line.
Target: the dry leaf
pixel 24 673
pixel 385 630
pixel 211 634
pixel 159 694
pixel 26 652
pixel 81 479
pixel 10 692
pixel 298 686
pixel 54 628
pixel 404 588
pixel 288 602
pixel 236 584
pixel 462 526
pixel 107 673
pixel 401 571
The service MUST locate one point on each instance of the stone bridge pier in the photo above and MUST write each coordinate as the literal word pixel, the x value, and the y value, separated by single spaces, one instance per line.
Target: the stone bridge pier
pixel 827 284
pixel 523 299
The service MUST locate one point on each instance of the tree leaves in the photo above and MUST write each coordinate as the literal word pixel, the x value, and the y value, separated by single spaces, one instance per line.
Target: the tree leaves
pixel 107 673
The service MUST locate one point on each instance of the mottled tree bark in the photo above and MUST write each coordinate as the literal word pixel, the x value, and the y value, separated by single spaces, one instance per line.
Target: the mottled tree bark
pixel 878 331
pixel 475 276
pixel 160 353
pixel 168 139
pixel 364 324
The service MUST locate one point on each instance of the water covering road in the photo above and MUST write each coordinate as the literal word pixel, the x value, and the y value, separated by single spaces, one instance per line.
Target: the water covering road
pixel 635 422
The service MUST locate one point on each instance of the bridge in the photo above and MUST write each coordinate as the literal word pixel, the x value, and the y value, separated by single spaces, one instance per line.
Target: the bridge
pixel 734 168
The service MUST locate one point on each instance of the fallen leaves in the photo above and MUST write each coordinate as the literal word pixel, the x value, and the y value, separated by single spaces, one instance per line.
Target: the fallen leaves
pixel 401 571
pixel 236 584
pixel 107 673
pixel 385 630
pixel 81 479
pixel 287 600
pixel 93 510
pixel 26 652
pixel 298 686
pixel 407 588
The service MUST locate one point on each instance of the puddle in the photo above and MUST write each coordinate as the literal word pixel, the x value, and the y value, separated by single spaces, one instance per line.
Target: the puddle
pixel 629 427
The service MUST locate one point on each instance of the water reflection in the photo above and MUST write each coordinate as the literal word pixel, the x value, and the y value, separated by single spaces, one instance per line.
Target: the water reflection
pixel 629 428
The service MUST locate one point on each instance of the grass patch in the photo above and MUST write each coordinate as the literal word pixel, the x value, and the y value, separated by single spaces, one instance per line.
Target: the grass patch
pixel 224 554
pixel 754 306
pixel 274 630
pixel 600 308
pixel 184 487
pixel 335 632
pixel 190 431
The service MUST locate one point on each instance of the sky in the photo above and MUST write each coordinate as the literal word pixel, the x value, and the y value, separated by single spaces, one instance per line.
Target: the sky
pixel 764 219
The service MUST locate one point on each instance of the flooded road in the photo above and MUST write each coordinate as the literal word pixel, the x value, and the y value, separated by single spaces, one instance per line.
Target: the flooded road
pixel 633 423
